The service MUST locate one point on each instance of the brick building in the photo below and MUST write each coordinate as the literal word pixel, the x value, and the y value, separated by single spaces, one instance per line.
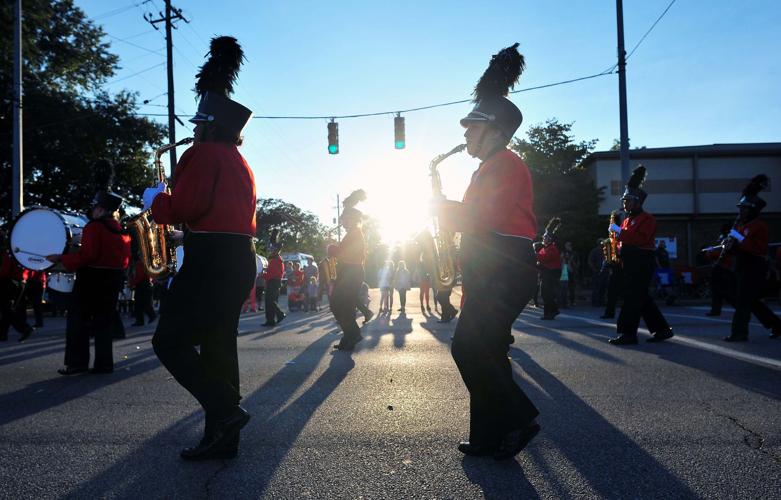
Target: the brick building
pixel 693 189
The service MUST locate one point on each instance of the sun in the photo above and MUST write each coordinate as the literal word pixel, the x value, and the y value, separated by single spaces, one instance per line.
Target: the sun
pixel 401 209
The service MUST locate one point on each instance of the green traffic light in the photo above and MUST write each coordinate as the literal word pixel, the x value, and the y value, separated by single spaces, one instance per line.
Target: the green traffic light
pixel 333 149
pixel 400 144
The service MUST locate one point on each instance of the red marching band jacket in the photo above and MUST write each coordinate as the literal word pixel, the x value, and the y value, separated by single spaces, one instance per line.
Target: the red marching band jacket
pixel 500 198
pixel 549 257
pixel 638 231
pixel 756 238
pixel 214 191
pixel 11 270
pixel 101 247
pixel 275 270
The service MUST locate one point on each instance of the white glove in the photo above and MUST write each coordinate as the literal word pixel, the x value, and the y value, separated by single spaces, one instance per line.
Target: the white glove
pixel 151 193
pixel 737 236
pixel 615 228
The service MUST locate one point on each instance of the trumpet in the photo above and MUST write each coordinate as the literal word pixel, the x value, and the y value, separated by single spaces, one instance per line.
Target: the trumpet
pixel 155 241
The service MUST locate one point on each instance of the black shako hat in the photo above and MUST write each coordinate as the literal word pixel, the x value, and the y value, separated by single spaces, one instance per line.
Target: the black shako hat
pixel 107 200
pixel 492 105
pixel 749 196
pixel 633 186
pixel 215 84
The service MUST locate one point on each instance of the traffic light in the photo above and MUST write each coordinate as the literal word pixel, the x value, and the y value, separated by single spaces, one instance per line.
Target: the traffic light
pixel 398 129
pixel 333 138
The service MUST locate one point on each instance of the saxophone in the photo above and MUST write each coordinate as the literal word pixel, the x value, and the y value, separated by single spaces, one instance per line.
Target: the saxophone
pixel 610 245
pixel 439 249
pixel 158 253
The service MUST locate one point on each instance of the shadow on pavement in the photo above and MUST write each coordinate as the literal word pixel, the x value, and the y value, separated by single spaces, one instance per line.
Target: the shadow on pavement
pixel 603 455
pixel 498 480
pixel 153 469
pixel 46 394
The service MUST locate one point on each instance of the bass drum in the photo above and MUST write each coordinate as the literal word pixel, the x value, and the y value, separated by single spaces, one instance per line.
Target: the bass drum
pixel 61 282
pixel 261 264
pixel 41 231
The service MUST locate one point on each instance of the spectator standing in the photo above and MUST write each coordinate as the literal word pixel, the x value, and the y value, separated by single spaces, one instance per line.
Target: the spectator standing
pixel 402 281
pixel 386 287
pixel 599 273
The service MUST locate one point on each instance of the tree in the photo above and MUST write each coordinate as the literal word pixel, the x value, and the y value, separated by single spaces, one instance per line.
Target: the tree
pixel 299 231
pixel 69 122
pixel 562 188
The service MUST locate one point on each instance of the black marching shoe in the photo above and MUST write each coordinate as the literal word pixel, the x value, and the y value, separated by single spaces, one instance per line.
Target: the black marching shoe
pixel 71 370
pixel 775 332
pixel 476 450
pixel 661 336
pixel 712 313
pixel 267 323
pixel 348 344
pixel 608 316
pixel 736 338
pixel 215 446
pixel 25 335
pixel 515 441
pixel 624 340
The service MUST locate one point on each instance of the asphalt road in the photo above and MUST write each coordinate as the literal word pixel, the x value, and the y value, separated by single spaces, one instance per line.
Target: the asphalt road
pixel 692 417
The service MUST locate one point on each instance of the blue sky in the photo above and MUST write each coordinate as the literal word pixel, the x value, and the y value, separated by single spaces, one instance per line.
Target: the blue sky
pixel 708 73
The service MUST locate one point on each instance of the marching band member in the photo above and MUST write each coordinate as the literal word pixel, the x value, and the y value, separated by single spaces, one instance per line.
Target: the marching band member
pixel 350 254
pixel 748 242
pixel 273 276
pixel 549 264
pixel 721 276
pixel 497 223
pixel 100 267
pixel 214 196
pixel 13 309
pixel 636 235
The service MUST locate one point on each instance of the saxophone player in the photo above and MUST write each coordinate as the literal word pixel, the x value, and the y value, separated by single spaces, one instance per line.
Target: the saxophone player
pixel 214 196
pixel 498 224
pixel 100 267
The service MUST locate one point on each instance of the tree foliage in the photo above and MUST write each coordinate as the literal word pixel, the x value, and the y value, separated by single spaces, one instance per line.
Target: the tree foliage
pixel 562 188
pixel 299 231
pixel 68 121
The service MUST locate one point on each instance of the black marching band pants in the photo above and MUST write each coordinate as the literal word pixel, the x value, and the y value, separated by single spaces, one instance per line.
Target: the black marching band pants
pixel 92 311
pixel 743 290
pixel 638 270
pixel 500 277
pixel 615 282
pixel 202 308
pixel 344 299
pixel 273 312
pixel 142 302
pixel 12 312
pixel 549 286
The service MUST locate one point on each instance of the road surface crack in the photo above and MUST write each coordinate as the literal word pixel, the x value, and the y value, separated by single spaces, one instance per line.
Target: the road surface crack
pixel 752 439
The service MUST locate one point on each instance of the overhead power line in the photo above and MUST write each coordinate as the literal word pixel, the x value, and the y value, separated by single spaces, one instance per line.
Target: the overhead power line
pixel 120 10
pixel 650 30
pixel 136 73
pixel 408 110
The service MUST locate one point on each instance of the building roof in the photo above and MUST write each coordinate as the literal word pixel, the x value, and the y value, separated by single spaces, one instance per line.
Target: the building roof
pixel 743 149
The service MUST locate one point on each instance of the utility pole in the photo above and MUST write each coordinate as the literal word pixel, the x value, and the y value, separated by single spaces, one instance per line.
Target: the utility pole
pixel 622 92
pixel 17 191
pixel 172 118
pixel 338 221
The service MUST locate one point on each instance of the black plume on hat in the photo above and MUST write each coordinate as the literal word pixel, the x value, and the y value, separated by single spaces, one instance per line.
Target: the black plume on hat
pixel 501 75
pixel 638 177
pixel 553 225
pixel 103 173
pixel 755 185
pixel 355 197
pixel 750 192
pixel 219 72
